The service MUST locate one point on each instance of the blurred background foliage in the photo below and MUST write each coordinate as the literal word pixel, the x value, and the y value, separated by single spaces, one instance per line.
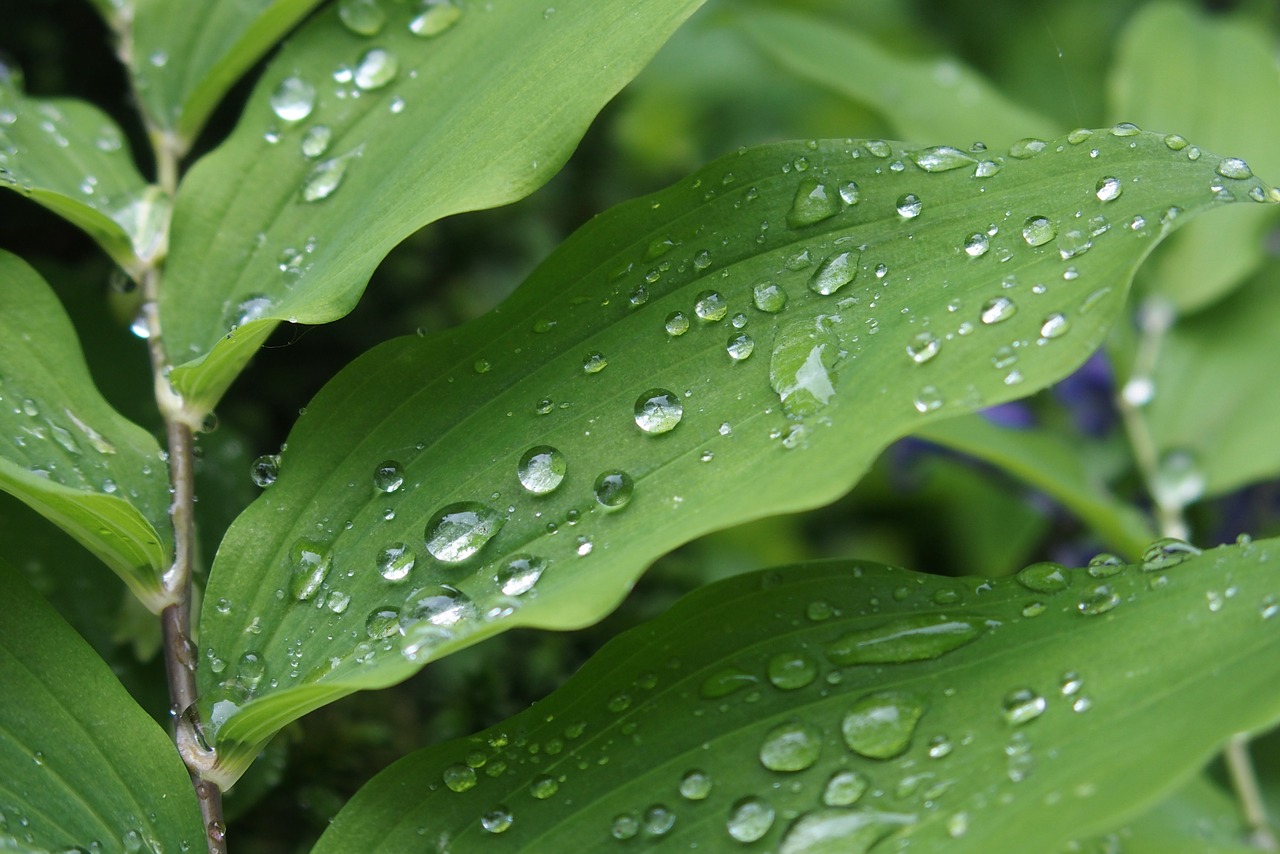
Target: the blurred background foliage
pixel 709 91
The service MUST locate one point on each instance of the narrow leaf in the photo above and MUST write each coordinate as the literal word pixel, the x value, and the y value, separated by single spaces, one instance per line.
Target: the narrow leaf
pixel 828 707
pixel 1214 78
pixel 82 767
pixel 71 158
pixel 740 345
pixel 185 57
pixel 65 452
pixel 350 143
pixel 937 98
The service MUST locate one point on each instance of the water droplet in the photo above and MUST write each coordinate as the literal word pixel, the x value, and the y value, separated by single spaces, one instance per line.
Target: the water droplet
pixel 879 148
pixel 724 682
pixel 997 309
pixel 849 193
pixel 1054 326
pixel 248 310
pixel 458 531
pixel 1073 242
pixel 293 99
pixel 1105 565
pixel 613 488
pixel 1167 552
pixel 594 363
pixel 1079 135
pixel 658 820
pixel 677 324
pixel 1109 189
pixel 801 369
pixel 769 297
pixel 880 725
pixel 840 831
pixel 909 206
pixel 658 411
pixel 1235 168
pixel 362 17
pixel 264 470
pixel 1125 129
pixel 835 272
pixel 977 244
pixel 1025 149
pixel 1038 230
pixel 789 671
pixel 845 788
pixel 701 259
pixel 497 820
pixel 438 16
pixel 1097 599
pixel 927 399
pixel 383 623
pixel 1175 142
pixel 987 168
pixel 624 826
pixel 942 158
pixel 541 469
pixel 923 347
pixel 376 68
pixel 710 306
pixel 695 785
pixel 913 638
pixel 740 346
pixel 1045 577
pixel 395 561
pixel 940 746
pixel 1178 479
pixel 749 819
pixel 520 573
pixel 311 563
pixel 1022 705
pixel 388 477
pixel 436 605
pixel 813 203
pixel 315 141
pixel 326 176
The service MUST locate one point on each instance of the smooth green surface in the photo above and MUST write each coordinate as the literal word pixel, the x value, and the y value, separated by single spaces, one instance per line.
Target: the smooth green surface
pixel 1213 78
pixel 1200 818
pixel 462 125
pixel 1050 463
pixel 65 452
pixel 1035 730
pixel 80 763
pixel 185 56
pixel 70 157
pixel 1215 403
pixel 935 98
pixel 456 412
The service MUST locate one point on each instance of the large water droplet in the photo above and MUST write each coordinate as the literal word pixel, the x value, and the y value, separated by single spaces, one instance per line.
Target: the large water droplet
pixel 914 638
pixel 658 411
pixel 293 99
pixel 311 563
pixel 976 244
pixel 436 605
pixel 1167 552
pixel 1108 189
pixel 835 830
pixel 519 575
pixel 880 725
pixel 1044 577
pixel 265 469
pixel 740 346
pixel 711 306
pixel 909 206
pixel 497 820
pixel 750 819
pixel 1235 168
pixel 458 531
pixel 439 15
pixel 376 68
pixel 613 489
pixel 791 746
pixel 395 561
pixel 769 297
pixel 997 309
pixel 382 623
pixel 835 272
pixel 677 324
pixel 942 158
pixel 1054 326
pixel 1038 230
pixel 362 17
pixel 802 367
pixel 813 203
pixel 845 788
pixel 1022 705
pixel 541 469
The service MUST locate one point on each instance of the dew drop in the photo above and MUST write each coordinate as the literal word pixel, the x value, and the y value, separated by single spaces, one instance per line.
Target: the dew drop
pixel 1044 577
pixel 311 563
pixel 315 141
pixel 1108 189
pixel 1167 552
pixel 813 203
pixel 677 324
pixel 388 476
pixel 383 623
pixel 497 820
pixel 710 306
pixel 658 411
pixel 1234 168
pixel 438 605
pixel 1025 149
pixel 880 725
pixel 458 531
pixel 1054 326
pixel 835 272
pixel 750 818
pixel 942 158
pixel 395 561
pixel 1022 705
pixel 927 399
pixel 977 244
pixel 326 176
pixel 658 820
pixel 1073 242
pixel 1105 565
pixel 1097 599
pixel 519 574
pixel 624 826
pixel 769 297
pixel 1038 230
pixel 613 489
pixel 265 469
pixel 594 363
pixel 724 682
pixel 849 193
pixel 293 99
pixel 913 638
pixel 923 347
pixel 439 15
pixel 362 17
pixel 997 309
pixel 790 671
pixel 1124 129
pixel 840 831
pixel 541 469
pixel 376 68
pixel 740 346
pixel 987 168
pixel 695 785
pixel 909 206
pixel 845 788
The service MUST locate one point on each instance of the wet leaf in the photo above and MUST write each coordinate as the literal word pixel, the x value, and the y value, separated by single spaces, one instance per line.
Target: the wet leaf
pixel 1214 79
pixel 851 703
pixel 65 452
pixel 82 767
pixel 350 143
pixel 183 59
pixel 71 157
pixel 743 379
pixel 937 98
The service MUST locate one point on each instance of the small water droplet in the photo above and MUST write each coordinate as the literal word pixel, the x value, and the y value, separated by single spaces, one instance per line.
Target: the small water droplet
pixel 1044 577
pixel 293 99
pixel 376 68
pixel 750 818
pixel 1025 149
pixel 695 785
pixel 997 309
pixel 519 574
pixel 881 725
pixel 1167 552
pixel 923 347
pixel 326 176
pixel 1038 230
pixel 624 826
pixel 1097 599
pixel 435 606
pixel 740 346
pixel 1073 242
pixel 1234 168
pixel 909 206
pixel 439 15
pixel 845 788
pixel 977 244
pixel 1124 129
pixel 835 272
pixel 658 411
pixel 1105 565
pixel 362 17
pixel 1022 705
pixel 790 671
pixel 1054 326
pixel 1079 135
pixel 711 306
pixel 677 324
pixel 724 682
pixel 927 399
pixel 543 786
pixel 613 489
pixel 395 561
pixel 1109 189
pixel 497 820
pixel 311 563
pixel 849 193
pixel 769 297
pixel 458 531
pixel 791 746
pixel 658 820
pixel 541 469
pixel 388 477
pixel 264 470
pixel 987 168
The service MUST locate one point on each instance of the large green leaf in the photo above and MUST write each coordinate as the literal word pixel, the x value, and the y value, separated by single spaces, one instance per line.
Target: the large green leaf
pixel 70 157
pixel 935 98
pixel 65 452
pixel 411 455
pixel 824 707
pixel 350 143
pixel 82 767
pixel 1215 79
pixel 184 57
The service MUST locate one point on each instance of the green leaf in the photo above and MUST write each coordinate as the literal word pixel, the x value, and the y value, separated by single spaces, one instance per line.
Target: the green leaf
pixel 183 59
pixel 82 767
pixel 480 109
pixel 851 702
pixel 70 157
pixel 1052 464
pixel 65 452
pixel 1201 817
pixel 1214 414
pixel 1214 78
pixel 937 98
pixel 411 454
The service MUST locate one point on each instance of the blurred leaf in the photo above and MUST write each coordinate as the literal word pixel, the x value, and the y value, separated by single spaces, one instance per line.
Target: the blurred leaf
pixel 1214 79
pixel 825 707
pixel 1052 464
pixel 1215 410
pixel 71 158
pixel 935 98
pixel 1199 818
pixel 80 763
pixel 183 58
pixel 368 556
pixel 65 452
pixel 413 128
